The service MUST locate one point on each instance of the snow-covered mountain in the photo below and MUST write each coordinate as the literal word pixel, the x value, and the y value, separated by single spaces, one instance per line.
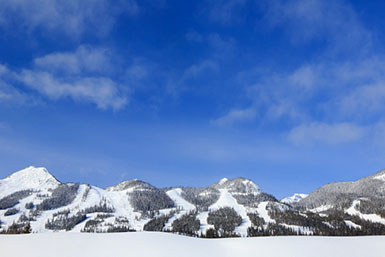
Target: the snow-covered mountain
pixel 338 194
pixel 294 198
pixel 29 178
pixel 32 197
pixel 238 186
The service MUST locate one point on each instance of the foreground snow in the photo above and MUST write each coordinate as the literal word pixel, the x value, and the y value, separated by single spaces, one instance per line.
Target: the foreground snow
pixel 163 244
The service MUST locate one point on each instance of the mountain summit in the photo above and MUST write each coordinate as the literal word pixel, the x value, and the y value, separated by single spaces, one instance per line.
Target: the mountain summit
pixel 238 186
pixel 28 178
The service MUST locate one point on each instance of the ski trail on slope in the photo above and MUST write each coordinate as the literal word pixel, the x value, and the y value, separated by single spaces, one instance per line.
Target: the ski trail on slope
pixel 227 200
pixel 184 206
pixel 370 217
pixel 263 213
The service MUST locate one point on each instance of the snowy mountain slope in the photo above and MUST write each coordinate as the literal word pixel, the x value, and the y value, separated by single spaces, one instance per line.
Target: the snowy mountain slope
pixel 29 178
pixel 227 200
pixel 131 184
pixel 231 207
pixel 341 194
pixel 294 198
pixel 238 186
pixel 352 210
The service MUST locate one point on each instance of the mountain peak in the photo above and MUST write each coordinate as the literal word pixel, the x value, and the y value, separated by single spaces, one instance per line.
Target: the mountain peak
pixel 379 175
pixel 238 186
pixel 294 198
pixel 29 178
pixel 222 181
pixel 129 184
pixel 34 175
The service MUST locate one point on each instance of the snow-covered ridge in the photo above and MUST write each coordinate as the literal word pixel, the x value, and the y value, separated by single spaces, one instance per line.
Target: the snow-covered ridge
pixel 134 200
pixel 28 178
pixel 33 195
pixel 380 177
pixel 240 186
pixel 294 198
pixel 130 184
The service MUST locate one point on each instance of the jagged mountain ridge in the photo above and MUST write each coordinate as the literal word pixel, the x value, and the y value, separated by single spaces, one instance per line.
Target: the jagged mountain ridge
pixel 231 207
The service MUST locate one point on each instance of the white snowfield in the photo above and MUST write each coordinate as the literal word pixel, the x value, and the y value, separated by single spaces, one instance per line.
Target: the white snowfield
pixel 294 198
pixel 152 244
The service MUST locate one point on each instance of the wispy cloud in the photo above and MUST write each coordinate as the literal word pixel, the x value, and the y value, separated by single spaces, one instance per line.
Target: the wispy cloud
pixel 236 116
pixel 310 20
pixel 220 50
pixel 70 17
pixel 84 75
pixel 226 11
pixel 102 91
pixel 191 73
pixel 8 93
pixel 84 59
pixel 326 133
pixel 330 99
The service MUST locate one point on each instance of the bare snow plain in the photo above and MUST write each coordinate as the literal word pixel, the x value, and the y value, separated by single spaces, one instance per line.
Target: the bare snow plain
pixel 153 244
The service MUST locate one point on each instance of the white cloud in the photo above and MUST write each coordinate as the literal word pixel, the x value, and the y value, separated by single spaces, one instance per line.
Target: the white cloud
pixel 226 11
pixel 8 93
pixel 220 49
pixel 338 90
pixel 363 101
pixel 83 76
pixel 304 77
pixel 136 72
pixel 71 17
pixel 99 90
pixel 196 70
pixel 83 60
pixel 281 95
pixel 326 133
pixel 317 19
pixel 190 73
pixel 236 116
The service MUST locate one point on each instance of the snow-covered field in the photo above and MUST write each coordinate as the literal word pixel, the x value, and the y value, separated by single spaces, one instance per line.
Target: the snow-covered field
pixel 150 244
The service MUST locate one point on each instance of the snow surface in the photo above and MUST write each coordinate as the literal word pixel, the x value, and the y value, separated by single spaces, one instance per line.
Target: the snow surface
pixel 222 181
pixel 238 186
pixel 28 178
pixel 380 177
pixel 227 200
pixel 184 206
pixel 321 208
pixel 294 198
pixel 263 212
pixel 352 224
pixel 370 217
pixel 41 182
pixel 176 196
pixel 152 244
pixel 251 188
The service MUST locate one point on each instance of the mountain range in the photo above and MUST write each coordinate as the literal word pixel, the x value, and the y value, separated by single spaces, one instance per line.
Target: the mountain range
pixel 33 200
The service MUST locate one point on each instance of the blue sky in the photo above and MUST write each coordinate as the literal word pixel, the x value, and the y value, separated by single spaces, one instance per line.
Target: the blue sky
pixel 290 94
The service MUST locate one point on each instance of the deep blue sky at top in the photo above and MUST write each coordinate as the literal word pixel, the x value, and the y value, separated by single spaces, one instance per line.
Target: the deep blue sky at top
pixel 290 94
